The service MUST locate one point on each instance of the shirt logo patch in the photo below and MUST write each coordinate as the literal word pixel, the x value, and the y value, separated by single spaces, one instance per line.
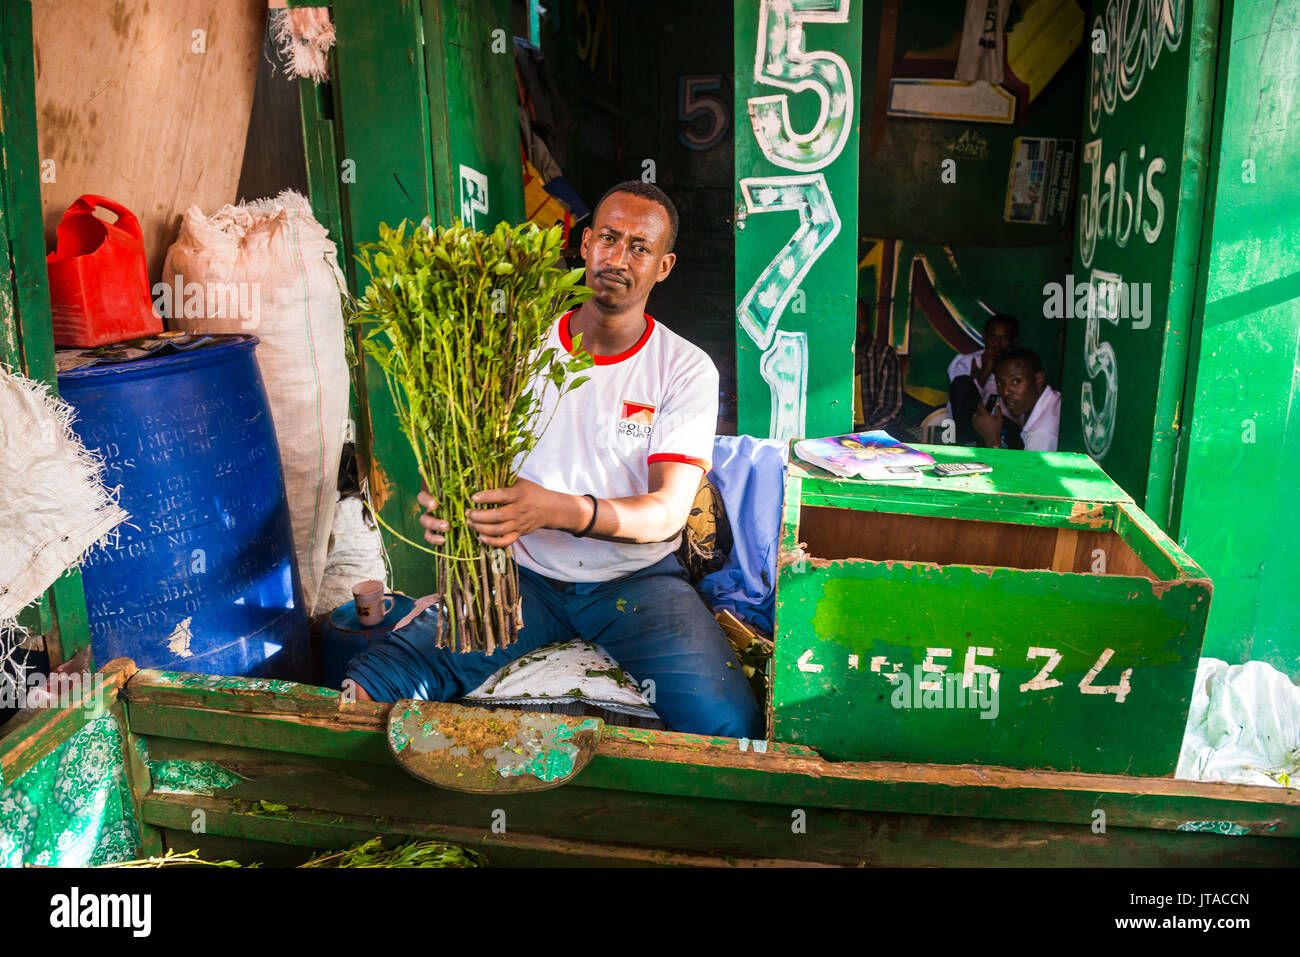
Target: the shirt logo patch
pixel 636 419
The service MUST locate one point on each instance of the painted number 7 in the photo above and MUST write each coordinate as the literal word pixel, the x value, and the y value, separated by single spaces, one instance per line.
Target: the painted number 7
pixel 760 310
pixel 784 363
pixel 780 60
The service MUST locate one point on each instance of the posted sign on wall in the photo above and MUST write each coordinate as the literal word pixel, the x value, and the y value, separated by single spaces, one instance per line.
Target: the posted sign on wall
pixel 797 64
pixel 1124 343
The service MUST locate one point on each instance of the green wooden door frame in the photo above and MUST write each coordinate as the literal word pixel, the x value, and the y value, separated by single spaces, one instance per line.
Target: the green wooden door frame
pixel 418 119
pixel 1239 441
pixel 26 329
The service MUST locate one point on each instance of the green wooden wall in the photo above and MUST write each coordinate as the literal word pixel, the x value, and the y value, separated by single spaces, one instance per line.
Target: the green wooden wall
pixel 1241 423
pixel 902 192
pixel 418 120
pixel 1141 189
pixel 956 225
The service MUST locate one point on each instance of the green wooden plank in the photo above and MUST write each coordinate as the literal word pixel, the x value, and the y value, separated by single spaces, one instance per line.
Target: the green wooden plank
pixel 832 693
pixel 323 183
pixel 29 738
pixel 233 693
pixel 382 144
pixel 653 829
pixel 258 731
pixel 10 341
pixel 797 213
pixel 27 342
pixel 138 782
pixel 1037 475
pixel 1186 262
pixel 253 837
pixel 629 761
pixel 22 172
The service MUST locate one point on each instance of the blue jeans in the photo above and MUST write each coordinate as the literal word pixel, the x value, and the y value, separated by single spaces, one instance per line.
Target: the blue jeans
pixel 652 622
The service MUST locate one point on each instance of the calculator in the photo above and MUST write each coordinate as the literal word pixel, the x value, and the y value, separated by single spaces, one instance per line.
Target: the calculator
pixel 950 469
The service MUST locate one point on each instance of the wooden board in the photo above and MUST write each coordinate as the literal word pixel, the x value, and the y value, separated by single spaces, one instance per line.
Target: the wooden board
pixel 126 108
pixel 341 763
pixel 838 533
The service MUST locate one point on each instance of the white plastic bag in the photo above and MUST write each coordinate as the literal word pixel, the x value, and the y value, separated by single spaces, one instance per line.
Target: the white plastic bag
pixel 269 269
pixel 1243 726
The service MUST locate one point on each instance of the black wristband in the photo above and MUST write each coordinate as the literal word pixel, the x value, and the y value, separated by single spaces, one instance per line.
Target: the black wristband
pixel 595 509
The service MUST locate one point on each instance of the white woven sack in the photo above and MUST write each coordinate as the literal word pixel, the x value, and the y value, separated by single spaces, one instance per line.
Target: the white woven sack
pixel 269 269
pixel 53 506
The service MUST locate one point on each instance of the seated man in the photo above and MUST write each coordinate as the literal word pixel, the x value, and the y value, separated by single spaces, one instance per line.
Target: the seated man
pixel 878 381
pixel 970 375
pixel 1032 416
pixel 600 502
pixel 880 376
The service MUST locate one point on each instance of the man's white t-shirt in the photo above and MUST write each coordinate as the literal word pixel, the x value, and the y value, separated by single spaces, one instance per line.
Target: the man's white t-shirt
pixel 1044 422
pixel 657 402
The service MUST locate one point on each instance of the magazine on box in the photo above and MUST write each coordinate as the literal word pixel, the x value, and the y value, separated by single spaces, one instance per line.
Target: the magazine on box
pixel 869 455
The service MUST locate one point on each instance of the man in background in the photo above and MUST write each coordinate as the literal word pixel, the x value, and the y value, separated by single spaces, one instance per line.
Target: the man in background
pixel 878 380
pixel 1028 414
pixel 971 383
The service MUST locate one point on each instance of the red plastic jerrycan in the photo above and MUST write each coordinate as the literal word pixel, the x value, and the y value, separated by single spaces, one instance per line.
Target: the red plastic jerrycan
pixel 99 287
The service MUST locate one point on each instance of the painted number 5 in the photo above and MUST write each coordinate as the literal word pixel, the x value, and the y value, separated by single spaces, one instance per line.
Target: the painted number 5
pixel 1099 361
pixel 781 61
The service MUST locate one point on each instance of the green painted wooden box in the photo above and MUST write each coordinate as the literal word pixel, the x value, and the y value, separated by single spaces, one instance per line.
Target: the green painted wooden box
pixel 1031 617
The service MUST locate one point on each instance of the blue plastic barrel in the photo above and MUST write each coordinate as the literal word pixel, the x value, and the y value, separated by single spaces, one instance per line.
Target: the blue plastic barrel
pixel 344 637
pixel 203 576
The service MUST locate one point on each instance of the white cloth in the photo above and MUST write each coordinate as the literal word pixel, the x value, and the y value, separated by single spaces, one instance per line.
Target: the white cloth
pixel 965 364
pixel 552 673
pixel 1044 422
pixel 983 32
pixel 1243 726
pixel 656 402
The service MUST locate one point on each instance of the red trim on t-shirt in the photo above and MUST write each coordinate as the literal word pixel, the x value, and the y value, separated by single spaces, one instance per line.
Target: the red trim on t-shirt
pixel 677 457
pixel 567 341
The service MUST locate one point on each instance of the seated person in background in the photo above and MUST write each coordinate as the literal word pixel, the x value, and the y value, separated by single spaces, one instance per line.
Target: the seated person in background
pixel 880 378
pixel 1028 415
pixel 970 375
